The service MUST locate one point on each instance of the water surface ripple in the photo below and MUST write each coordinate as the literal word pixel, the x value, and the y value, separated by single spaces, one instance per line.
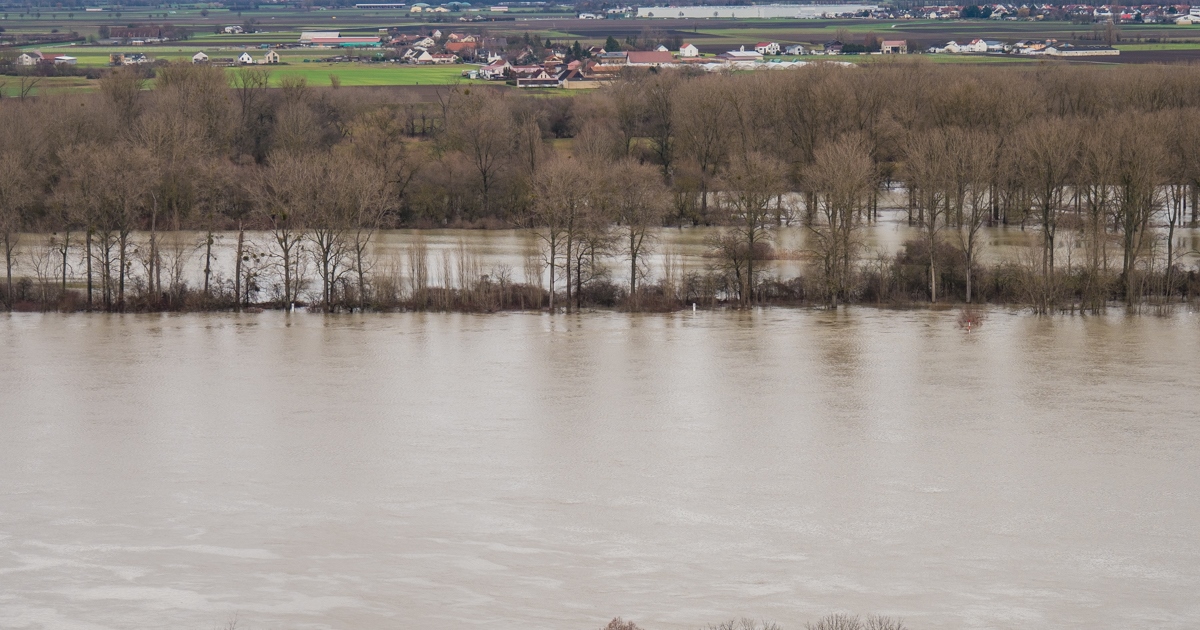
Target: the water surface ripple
pixel 532 471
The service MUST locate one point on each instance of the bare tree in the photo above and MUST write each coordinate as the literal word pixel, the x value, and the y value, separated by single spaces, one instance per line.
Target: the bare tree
pixel 15 196
pixel 927 165
pixel 122 88
pixel 748 188
pixel 702 117
pixel 977 154
pixel 836 621
pixel 1048 148
pixel 481 128
pixel 284 193
pixel 559 198
pixel 639 204
pixel 1137 195
pixel 842 177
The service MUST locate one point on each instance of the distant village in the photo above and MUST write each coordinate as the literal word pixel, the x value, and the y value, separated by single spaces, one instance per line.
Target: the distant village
pixel 1083 13
pixel 537 64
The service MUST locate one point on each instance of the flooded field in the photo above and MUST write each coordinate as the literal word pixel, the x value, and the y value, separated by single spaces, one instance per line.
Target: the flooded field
pixel 516 253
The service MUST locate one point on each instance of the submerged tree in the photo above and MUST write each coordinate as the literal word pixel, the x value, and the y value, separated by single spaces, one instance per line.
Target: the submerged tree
pixel 749 187
pixel 842 178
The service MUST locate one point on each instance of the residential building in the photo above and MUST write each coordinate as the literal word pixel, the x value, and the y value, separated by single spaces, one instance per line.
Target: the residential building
pixel 495 71
pixel 767 48
pixel 687 51
pixel 200 57
pixel 894 47
pixel 649 58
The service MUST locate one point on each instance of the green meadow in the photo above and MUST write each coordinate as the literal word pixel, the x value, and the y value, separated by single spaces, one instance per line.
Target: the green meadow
pixel 361 74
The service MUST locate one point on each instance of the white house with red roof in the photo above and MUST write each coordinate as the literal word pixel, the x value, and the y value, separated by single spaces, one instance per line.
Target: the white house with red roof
pixel 688 51
pixel 494 71
pixel 767 48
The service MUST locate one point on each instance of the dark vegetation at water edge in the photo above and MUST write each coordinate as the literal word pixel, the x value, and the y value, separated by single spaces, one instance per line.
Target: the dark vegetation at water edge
pixel 1102 164
pixel 836 621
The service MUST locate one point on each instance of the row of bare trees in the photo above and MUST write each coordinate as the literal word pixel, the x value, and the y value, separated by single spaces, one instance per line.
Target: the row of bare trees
pixel 1104 159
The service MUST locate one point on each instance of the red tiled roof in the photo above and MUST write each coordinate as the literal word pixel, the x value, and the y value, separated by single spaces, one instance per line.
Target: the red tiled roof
pixel 652 56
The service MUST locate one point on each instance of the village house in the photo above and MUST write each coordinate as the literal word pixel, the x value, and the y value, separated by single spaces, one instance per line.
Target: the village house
pixel 613 58
pixel 794 49
pixel 495 71
pixel 199 58
pixel 271 57
pixel 245 58
pixel 539 79
pixel 688 51
pixel 894 47
pixel 463 49
pixel 966 46
pixel 767 48
pixel 445 58
pixel 649 58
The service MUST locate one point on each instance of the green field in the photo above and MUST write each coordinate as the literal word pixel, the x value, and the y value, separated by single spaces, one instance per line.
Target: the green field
pixel 359 74
pixel 10 86
pixel 1149 47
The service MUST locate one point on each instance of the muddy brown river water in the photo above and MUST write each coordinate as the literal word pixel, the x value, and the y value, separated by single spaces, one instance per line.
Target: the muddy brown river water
pixel 531 471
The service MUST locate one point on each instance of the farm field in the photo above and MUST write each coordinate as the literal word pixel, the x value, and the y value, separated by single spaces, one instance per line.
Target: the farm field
pixel 360 74
pixel 10 87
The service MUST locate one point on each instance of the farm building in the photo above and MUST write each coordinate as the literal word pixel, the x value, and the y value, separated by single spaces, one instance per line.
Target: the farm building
pixel 346 42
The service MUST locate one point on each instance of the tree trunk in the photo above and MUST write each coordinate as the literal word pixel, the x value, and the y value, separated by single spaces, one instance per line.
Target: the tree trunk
pixel 207 261
pixel 553 256
pixel 89 268
pixel 970 246
pixel 932 282
pixel 8 297
pixel 153 277
pixel 287 278
pixel 66 248
pixel 121 274
pixel 632 269
pixel 362 279
pixel 237 272
pixel 570 240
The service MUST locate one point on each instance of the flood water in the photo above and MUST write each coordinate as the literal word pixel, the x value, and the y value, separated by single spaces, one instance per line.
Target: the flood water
pixel 515 254
pixel 443 471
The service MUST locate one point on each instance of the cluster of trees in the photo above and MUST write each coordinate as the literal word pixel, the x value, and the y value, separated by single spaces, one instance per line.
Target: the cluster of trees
pixel 1100 162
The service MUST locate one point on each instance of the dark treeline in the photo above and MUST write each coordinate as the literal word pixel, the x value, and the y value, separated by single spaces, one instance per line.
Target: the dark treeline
pixel 1099 163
